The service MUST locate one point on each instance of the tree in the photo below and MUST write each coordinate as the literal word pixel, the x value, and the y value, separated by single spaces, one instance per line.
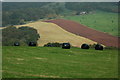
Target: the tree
pixel 23 35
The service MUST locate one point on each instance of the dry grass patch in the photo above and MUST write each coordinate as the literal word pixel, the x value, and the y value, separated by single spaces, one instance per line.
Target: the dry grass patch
pixel 19 59
pixel 39 58
pixel 50 32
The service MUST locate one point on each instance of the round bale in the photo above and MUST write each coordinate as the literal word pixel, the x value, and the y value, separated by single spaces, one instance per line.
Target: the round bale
pixel 85 46
pixel 32 44
pixel 66 46
pixel 98 47
pixel 16 44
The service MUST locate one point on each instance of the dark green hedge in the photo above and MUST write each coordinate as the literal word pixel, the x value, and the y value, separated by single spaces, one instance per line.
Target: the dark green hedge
pixel 53 44
pixel 23 35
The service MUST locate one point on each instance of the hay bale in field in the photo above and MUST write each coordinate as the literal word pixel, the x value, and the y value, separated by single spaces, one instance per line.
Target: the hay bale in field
pixel 98 47
pixel 32 44
pixel 85 46
pixel 66 46
pixel 16 44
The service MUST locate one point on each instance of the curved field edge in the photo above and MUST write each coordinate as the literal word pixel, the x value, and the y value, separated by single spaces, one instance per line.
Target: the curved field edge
pixel 50 32
pixel 84 31
pixel 44 62
pixel 98 20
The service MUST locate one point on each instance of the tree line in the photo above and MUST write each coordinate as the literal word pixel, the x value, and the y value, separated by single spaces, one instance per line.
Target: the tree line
pixel 18 12
pixel 14 13
pixel 90 6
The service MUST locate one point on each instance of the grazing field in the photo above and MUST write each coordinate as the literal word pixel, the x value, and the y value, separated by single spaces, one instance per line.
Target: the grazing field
pixel 50 32
pixel 51 62
pixel 102 21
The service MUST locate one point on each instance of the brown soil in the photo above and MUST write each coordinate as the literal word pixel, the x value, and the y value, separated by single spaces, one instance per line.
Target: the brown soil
pixel 81 30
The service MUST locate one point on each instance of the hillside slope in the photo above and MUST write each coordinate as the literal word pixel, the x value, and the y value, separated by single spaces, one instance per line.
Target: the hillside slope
pixel 52 62
pixel 50 32
pixel 98 20
pixel 89 33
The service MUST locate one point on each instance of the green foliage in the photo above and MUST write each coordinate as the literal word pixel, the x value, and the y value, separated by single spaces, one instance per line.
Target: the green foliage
pixel 18 13
pixel 44 62
pixel 92 46
pixel 53 44
pixel 23 35
pixel 80 6
pixel 90 6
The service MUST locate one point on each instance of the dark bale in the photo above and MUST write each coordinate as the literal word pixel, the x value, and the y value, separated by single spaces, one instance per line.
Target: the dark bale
pixel 98 47
pixel 85 46
pixel 32 44
pixel 66 46
pixel 16 44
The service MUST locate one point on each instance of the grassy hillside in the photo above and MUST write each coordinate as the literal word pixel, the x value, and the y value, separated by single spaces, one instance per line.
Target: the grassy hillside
pixel 102 21
pixel 50 32
pixel 43 62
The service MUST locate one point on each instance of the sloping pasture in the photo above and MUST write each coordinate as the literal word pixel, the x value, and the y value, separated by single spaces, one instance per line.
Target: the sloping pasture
pixel 46 62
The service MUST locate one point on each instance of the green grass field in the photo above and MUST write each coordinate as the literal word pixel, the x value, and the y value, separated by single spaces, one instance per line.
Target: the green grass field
pixel 45 62
pixel 102 21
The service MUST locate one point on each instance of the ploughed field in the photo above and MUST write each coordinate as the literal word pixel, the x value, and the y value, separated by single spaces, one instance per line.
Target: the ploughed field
pixel 84 31
pixel 44 62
